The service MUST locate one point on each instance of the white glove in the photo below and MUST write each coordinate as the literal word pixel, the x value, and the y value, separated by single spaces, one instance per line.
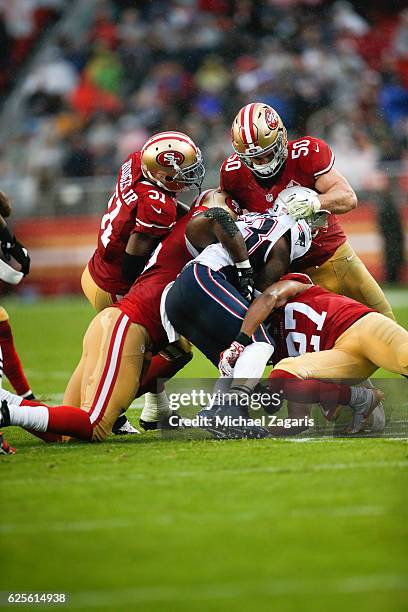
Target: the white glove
pixel 300 202
pixel 229 357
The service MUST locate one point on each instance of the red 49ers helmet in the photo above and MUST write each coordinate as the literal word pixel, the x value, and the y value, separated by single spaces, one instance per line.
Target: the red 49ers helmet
pixel 258 134
pixel 172 161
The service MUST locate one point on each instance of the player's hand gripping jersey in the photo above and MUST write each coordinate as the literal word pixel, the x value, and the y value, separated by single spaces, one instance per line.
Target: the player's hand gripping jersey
pixel 312 321
pixel 260 232
pixel 308 158
pixel 137 206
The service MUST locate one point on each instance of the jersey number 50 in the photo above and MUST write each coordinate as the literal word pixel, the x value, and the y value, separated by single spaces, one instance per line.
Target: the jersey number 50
pixel 300 148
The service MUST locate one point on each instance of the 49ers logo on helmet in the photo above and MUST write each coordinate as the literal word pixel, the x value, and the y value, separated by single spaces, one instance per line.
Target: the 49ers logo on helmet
pixel 271 119
pixel 170 158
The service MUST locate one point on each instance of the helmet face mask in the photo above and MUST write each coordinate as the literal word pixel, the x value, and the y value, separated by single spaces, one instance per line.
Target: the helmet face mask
pixel 172 161
pixel 192 176
pixel 258 132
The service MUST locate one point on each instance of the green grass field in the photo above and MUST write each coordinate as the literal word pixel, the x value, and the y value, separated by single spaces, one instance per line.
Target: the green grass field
pixel 154 524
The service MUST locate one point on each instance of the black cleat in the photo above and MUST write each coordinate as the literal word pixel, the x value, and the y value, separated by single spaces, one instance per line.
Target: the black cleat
pixel 162 424
pixel 4 414
pixel 231 423
pixel 123 427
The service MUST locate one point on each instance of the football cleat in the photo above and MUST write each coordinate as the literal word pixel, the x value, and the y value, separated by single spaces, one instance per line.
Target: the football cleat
pixel 378 418
pixel 163 423
pixel 123 427
pixel 5 448
pixel 230 431
pixel 29 396
pixel 363 402
pixel 4 414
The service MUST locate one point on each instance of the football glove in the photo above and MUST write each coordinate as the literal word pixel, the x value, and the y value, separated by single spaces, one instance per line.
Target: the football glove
pixel 229 357
pixel 19 252
pixel 245 279
pixel 300 202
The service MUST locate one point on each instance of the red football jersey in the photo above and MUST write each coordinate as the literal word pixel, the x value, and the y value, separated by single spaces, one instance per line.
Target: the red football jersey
pixel 308 158
pixel 137 206
pixel 142 302
pixel 312 321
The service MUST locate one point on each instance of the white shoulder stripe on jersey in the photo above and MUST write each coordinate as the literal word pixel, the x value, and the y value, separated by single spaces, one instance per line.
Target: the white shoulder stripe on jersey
pixel 329 167
pixel 154 225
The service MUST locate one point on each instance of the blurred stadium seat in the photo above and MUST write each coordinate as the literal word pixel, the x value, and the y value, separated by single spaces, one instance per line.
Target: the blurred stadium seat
pixel 93 79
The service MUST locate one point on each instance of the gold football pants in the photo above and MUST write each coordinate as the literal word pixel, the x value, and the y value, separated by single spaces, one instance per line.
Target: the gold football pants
pixel 345 273
pixel 98 298
pixel 114 357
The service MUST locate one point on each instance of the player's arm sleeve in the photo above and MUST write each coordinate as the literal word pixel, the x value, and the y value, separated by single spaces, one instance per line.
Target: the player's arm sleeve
pixel 227 179
pixel 226 232
pixel 138 250
pixel 154 218
pixel 275 296
pixel 320 158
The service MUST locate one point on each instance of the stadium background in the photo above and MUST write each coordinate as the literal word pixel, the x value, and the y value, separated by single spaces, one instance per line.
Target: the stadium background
pixel 82 84
pixel 149 523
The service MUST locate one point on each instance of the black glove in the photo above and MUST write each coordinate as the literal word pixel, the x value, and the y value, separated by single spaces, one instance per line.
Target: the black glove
pixel 245 281
pixel 19 252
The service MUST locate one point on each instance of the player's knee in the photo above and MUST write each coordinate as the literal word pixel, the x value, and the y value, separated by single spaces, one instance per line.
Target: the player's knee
pixel 3 314
pixel 292 366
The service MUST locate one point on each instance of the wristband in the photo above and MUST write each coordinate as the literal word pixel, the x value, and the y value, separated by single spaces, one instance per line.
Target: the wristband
pixel 243 339
pixel 243 264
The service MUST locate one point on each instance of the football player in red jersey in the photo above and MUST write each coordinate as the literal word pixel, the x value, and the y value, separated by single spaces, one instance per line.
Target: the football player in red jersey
pixel 323 336
pixel 10 362
pixel 141 212
pixel 265 163
pixel 120 339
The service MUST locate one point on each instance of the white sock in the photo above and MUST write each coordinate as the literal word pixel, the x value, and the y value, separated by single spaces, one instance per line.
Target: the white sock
pixel 29 417
pixel 156 407
pixel 251 364
pixel 10 397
